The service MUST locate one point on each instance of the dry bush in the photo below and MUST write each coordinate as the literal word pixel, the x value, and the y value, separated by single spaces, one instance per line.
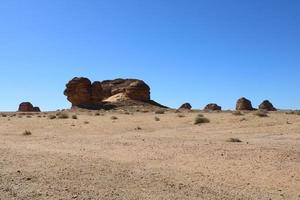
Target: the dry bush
pixel 51 116
pixel 63 116
pixel 86 122
pixel 233 140
pixel 237 113
pixel 261 113
pixel 74 117
pixel 114 118
pixel 138 128
pixel 26 133
pixel 4 115
pixel 29 116
pixel 160 112
pixel 200 119
pixel 180 115
pixel 157 119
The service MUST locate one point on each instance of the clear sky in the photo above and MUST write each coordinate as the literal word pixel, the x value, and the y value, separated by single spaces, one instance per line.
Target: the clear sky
pixel 197 51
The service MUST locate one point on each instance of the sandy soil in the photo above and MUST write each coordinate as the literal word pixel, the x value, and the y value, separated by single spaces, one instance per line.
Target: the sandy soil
pixel 95 157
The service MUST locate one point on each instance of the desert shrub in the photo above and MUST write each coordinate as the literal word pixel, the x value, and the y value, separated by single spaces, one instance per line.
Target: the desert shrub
pixel 63 116
pixel 201 119
pixel 29 116
pixel 13 115
pixel 160 112
pixel 39 116
pixel 200 115
pixel 237 113
pixel 51 116
pixel 97 114
pixel 138 128
pixel 74 117
pixel 261 113
pixel 180 115
pixel 26 133
pixel 233 140
pixel 4 115
pixel 114 118
pixel 157 119
pixel 86 122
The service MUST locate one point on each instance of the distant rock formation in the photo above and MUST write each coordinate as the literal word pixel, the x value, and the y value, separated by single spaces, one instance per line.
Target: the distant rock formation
pixel 244 104
pixel 267 105
pixel 186 106
pixel 28 107
pixel 81 92
pixel 212 107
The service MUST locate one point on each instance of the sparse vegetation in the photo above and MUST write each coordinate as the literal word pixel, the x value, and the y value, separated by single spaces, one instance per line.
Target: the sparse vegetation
pixel 51 116
pixel 114 118
pixel 63 116
pixel 160 112
pixel 261 113
pixel 237 113
pixel 233 140
pixel 74 117
pixel 200 119
pixel 29 116
pixel 157 119
pixel 86 122
pixel 180 115
pixel 26 133
pixel 4 115
pixel 138 128
pixel 200 115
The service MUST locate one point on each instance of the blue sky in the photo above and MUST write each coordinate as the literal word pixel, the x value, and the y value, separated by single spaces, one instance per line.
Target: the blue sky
pixel 197 51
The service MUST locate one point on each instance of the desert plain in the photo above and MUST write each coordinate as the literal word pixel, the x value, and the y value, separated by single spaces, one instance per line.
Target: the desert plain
pixel 145 155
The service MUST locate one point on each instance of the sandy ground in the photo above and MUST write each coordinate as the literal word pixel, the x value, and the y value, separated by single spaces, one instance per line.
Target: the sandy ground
pixel 95 157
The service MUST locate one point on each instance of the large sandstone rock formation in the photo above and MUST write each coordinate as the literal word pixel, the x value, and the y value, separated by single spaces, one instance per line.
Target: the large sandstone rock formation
pixel 212 106
pixel 28 107
pixel 81 92
pixel 267 105
pixel 244 104
pixel 186 106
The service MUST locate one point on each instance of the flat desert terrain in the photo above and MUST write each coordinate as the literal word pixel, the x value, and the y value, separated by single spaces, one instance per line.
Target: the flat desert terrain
pixel 135 156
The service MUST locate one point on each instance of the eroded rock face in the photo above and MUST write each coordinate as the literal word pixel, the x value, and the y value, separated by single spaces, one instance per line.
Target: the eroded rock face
pixel 186 106
pixel 244 104
pixel 28 107
pixel 212 107
pixel 81 92
pixel 267 105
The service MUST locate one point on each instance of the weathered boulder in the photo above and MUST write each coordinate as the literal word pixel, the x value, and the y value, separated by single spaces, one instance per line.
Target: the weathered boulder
pixel 81 92
pixel 267 105
pixel 244 104
pixel 186 106
pixel 28 107
pixel 212 107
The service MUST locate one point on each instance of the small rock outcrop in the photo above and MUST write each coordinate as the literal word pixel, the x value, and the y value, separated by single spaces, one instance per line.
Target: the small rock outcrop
pixel 244 104
pixel 186 106
pixel 212 107
pixel 28 107
pixel 81 92
pixel 267 105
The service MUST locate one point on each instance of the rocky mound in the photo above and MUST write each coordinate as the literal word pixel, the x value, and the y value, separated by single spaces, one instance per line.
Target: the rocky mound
pixel 82 93
pixel 244 104
pixel 267 105
pixel 28 107
pixel 186 106
pixel 212 107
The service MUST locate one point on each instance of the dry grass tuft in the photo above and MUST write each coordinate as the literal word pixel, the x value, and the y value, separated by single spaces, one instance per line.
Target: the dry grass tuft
pixel 237 113
pixel 62 116
pixel 180 115
pixel 114 118
pixel 26 133
pixel 160 112
pixel 200 119
pixel 157 119
pixel 261 113
pixel 51 116
pixel 233 140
